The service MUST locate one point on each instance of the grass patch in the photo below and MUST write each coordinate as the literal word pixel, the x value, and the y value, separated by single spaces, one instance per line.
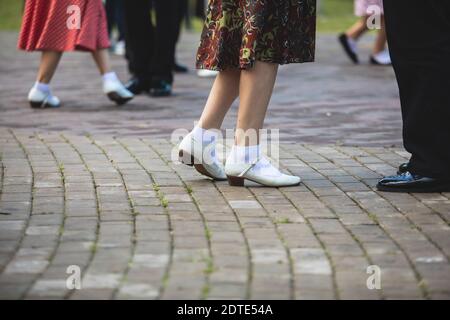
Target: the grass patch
pixel 10 14
pixel 209 266
pixel 205 291
pixel 283 221
pixel 333 15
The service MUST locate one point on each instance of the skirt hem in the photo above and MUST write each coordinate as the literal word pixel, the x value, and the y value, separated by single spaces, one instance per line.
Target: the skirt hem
pixel 247 66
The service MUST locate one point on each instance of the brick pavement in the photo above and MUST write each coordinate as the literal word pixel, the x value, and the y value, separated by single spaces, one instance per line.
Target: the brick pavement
pixel 326 102
pixel 94 186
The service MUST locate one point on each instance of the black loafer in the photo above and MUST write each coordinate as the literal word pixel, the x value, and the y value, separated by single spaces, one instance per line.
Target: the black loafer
pixel 408 182
pixel 403 168
pixel 161 88
pixel 343 39
pixel 136 86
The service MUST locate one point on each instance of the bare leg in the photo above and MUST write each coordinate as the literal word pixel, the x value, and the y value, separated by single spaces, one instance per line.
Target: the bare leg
pixel 358 29
pixel 224 91
pixel 380 42
pixel 48 65
pixel 255 91
pixel 101 58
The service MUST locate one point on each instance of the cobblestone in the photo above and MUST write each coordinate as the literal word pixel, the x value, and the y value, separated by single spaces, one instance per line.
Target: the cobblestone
pixel 95 186
pixel 135 238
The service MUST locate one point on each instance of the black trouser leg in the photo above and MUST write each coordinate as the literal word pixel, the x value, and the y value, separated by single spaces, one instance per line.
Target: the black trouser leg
pixel 120 19
pixel 110 15
pixel 419 41
pixel 114 14
pixel 181 14
pixel 139 38
pixel 166 25
pixel 200 9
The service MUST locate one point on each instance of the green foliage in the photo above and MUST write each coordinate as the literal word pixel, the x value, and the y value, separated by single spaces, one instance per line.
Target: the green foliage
pixel 10 14
pixel 333 15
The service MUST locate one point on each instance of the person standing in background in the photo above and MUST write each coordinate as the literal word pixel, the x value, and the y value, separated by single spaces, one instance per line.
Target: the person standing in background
pixel 114 14
pixel 182 14
pixel 150 46
pixel 349 39
pixel 57 26
pixel 419 40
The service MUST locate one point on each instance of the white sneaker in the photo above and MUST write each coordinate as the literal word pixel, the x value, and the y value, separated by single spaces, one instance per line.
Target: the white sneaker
pixel 39 99
pixel 382 58
pixel 204 73
pixel 116 91
pixel 261 171
pixel 192 153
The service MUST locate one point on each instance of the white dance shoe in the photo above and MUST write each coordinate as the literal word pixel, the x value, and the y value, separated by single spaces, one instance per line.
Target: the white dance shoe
pixel 193 153
pixel 260 171
pixel 116 91
pixel 39 99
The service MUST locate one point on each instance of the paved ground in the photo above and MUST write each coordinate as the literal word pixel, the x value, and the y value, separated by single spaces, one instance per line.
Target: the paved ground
pixel 94 186
pixel 327 102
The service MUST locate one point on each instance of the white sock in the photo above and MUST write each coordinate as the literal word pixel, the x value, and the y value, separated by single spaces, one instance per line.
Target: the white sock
pixel 207 137
pixel 110 76
pixel 383 57
pixel 43 87
pixel 248 154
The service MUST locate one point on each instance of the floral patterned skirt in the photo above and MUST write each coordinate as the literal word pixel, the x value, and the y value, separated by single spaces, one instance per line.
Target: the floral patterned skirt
pixel 239 32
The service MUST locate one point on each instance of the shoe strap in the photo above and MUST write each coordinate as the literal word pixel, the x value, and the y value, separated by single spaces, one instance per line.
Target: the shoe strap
pixel 249 167
pixel 44 102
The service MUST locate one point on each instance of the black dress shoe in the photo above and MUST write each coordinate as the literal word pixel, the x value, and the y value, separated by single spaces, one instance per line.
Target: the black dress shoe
pixel 343 39
pixel 136 86
pixel 408 182
pixel 403 168
pixel 161 88
pixel 178 68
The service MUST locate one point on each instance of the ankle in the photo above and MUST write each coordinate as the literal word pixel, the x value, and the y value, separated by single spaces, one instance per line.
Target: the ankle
pixel 244 154
pixel 206 136
pixel 110 76
pixel 43 87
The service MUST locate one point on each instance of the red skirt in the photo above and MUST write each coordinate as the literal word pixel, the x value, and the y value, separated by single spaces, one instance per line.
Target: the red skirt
pixel 49 25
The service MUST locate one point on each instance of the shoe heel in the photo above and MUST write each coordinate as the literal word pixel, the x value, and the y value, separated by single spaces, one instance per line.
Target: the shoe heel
pixel 236 181
pixel 117 98
pixel 36 105
pixel 186 159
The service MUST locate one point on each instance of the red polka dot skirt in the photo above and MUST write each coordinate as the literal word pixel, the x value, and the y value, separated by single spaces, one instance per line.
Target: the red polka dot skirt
pixel 64 25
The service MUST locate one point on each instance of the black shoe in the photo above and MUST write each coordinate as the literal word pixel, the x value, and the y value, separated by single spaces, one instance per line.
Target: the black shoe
pixel 161 88
pixel 408 182
pixel 403 168
pixel 343 39
pixel 178 68
pixel 137 86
